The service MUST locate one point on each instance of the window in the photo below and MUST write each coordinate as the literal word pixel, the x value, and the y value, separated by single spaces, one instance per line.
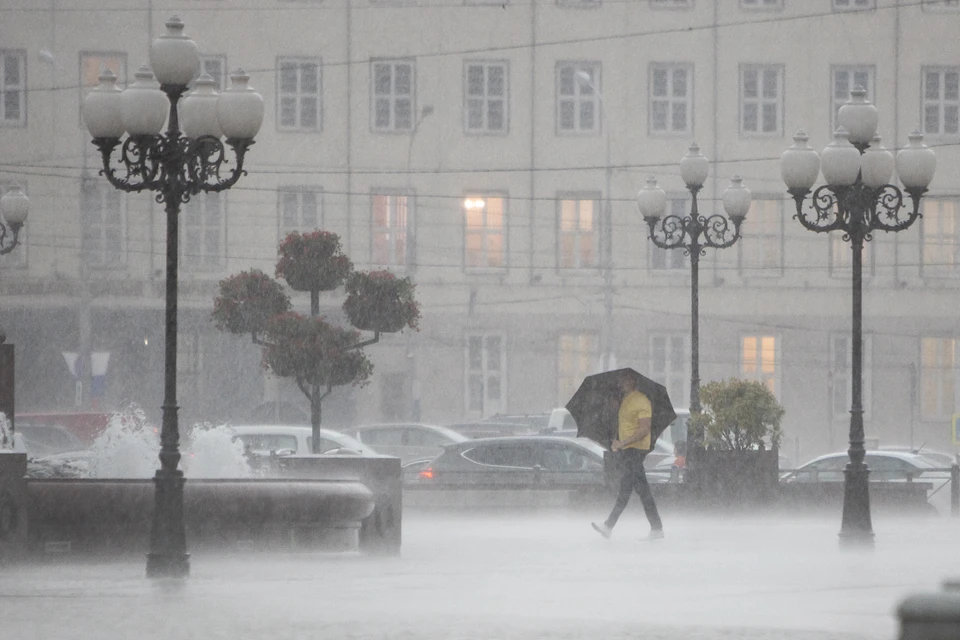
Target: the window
pixel 761 99
pixel 578 97
pixel 202 233
pixel 485 375
pixel 508 454
pixel 941 5
pixel 578 4
pixel 485 100
pixel 18 257
pixel 13 91
pixel 761 245
pixel 578 231
pixel 671 4
pixel 939 232
pixel 102 221
pixel 841 256
pixel 393 96
pixel 485 231
pixel 761 4
pixel 852 5
pixel 216 68
pixel 843 80
pixel 189 354
pixel 389 224
pixel 300 95
pixel 670 365
pixel 670 259
pixel 90 67
pixel 938 377
pixel 301 209
pixel 671 98
pixel 941 101
pixel 760 361
pixel 578 356
pixel 840 376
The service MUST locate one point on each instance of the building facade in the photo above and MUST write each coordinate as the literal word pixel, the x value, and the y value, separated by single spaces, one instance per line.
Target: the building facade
pixel 492 151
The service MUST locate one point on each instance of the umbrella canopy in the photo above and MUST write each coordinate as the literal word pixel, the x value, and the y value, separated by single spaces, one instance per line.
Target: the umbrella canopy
pixel 596 405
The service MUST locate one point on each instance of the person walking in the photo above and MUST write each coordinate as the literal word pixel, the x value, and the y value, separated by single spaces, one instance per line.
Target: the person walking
pixel 632 446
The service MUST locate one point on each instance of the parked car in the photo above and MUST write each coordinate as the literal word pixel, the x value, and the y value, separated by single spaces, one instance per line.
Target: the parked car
pixel 524 462
pixel 292 439
pixel 40 440
pixel 884 466
pixel 490 428
pixel 408 441
pixel 939 459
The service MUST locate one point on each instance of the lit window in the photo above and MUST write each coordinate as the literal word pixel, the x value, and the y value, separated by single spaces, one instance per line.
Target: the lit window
pixel 389 226
pixel 938 377
pixel 759 361
pixel 484 231
pixel 941 244
pixel 578 235
pixel 91 64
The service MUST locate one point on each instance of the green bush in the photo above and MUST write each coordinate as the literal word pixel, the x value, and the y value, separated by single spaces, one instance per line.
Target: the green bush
pixel 738 415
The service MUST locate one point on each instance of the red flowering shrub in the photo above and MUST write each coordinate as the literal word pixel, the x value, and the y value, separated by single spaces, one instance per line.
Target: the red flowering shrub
pixel 313 351
pixel 379 301
pixel 313 261
pixel 246 301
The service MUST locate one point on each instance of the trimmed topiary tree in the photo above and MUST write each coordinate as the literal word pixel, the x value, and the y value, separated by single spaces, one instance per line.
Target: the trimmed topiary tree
pixel 739 415
pixel 317 354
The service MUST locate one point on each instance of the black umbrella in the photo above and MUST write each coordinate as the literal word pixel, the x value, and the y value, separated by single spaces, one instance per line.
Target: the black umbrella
pixel 596 404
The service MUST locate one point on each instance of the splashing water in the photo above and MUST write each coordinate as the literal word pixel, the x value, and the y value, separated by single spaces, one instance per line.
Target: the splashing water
pixel 6 436
pixel 129 448
pixel 214 452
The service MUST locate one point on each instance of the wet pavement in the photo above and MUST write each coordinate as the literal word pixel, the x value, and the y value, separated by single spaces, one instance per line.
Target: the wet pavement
pixel 516 575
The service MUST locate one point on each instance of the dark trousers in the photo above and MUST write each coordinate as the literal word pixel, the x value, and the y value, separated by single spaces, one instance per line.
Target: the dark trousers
pixel 634 478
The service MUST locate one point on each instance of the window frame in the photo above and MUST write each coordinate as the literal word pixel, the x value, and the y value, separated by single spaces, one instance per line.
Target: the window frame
pixel 222 76
pixel 942 103
pixel 941 6
pixel 671 5
pixel 578 98
pixel 939 271
pixel 688 100
pixel 410 199
pixel 485 99
pixel 761 6
pixel 198 205
pixel 583 356
pixel 670 370
pixel 392 97
pixel 299 62
pixel 743 101
pixel 21 121
pixel 758 375
pixel 871 4
pixel 840 366
pixel 748 236
pixel 485 234
pixel 596 230
pixel 485 373
pixel 298 190
pixel 942 410
pixel 104 191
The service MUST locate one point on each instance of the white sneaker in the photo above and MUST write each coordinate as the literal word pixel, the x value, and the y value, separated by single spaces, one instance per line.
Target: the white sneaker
pixel 655 534
pixel 602 529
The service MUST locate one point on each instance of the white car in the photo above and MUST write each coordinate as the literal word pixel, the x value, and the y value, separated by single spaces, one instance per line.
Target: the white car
pixel 290 440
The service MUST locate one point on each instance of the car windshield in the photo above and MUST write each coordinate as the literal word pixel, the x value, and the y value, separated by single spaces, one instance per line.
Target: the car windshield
pixel 268 441
pixel 50 439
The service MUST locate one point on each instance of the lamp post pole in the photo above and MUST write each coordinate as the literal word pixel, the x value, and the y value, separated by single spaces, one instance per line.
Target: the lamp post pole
pixel 857 201
pixel 177 165
pixel 694 233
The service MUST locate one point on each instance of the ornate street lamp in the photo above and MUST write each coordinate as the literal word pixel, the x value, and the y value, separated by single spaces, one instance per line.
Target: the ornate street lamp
pixel 14 205
pixel 857 200
pixel 178 165
pixel 694 234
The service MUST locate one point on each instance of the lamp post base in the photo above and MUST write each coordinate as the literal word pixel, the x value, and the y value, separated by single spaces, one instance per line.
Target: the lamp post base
pixel 856 530
pixel 168 557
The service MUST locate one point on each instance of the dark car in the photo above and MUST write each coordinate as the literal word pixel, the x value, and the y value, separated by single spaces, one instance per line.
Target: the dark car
pixel 525 462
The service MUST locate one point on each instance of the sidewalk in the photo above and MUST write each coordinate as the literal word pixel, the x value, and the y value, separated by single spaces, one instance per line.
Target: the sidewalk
pixel 546 575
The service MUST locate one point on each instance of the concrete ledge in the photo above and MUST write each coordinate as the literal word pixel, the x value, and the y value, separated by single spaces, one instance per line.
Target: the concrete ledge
pixel 88 515
pixel 13 505
pixel 934 616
